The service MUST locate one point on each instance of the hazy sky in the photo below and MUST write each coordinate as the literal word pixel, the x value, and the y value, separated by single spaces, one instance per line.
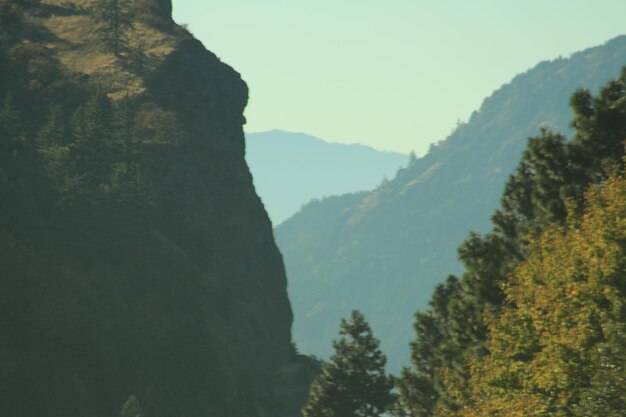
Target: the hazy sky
pixel 392 74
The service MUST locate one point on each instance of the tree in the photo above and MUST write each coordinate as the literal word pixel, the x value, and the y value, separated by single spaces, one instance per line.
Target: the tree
pixel 93 138
pixel 418 394
pixel 139 57
pixel 53 131
pixel 113 20
pixel 353 383
pixel 3 35
pixel 551 179
pixel 558 348
pixel 10 125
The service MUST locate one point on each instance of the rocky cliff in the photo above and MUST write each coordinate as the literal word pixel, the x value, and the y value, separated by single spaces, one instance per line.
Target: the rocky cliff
pixel 135 257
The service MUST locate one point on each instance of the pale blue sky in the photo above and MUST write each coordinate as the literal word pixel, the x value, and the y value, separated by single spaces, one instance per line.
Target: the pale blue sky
pixel 392 74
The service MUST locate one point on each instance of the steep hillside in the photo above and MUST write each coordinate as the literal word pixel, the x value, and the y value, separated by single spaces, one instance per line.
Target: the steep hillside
pixel 384 251
pixel 291 169
pixel 535 324
pixel 136 260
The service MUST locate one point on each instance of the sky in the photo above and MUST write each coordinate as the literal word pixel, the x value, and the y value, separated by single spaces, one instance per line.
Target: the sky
pixel 392 74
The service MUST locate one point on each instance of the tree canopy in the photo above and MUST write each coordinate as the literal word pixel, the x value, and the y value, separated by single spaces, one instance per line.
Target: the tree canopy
pixel 559 346
pixel 473 315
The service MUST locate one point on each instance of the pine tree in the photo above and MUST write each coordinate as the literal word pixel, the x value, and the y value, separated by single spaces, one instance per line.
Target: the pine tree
pixel 10 125
pixel 418 396
pixel 124 125
pixel 114 18
pixel 353 383
pixel 552 176
pixel 53 131
pixel 59 166
pixel 139 57
pixel 93 138
pixel 3 35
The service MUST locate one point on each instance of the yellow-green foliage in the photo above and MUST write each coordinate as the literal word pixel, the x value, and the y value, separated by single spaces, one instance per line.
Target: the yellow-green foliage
pixel 558 348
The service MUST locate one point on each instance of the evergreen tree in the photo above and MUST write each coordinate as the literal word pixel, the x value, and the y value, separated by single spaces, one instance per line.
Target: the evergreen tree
pixel 535 194
pixel 9 131
pixel 552 176
pixel 124 126
pixel 9 118
pixel 60 167
pixel 4 36
pixel 139 57
pixel 53 131
pixel 10 126
pixel 353 383
pixel 114 18
pixel 418 396
pixel 93 138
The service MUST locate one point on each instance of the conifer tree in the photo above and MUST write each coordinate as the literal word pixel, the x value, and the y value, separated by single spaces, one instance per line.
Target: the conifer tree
pixel 53 131
pixel 125 135
pixel 3 34
pixel 10 125
pixel 93 137
pixel 139 57
pixel 60 167
pixel 418 396
pixel 114 18
pixel 353 383
pixel 552 176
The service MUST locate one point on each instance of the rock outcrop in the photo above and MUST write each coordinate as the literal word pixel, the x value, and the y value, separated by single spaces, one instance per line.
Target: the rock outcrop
pixel 156 277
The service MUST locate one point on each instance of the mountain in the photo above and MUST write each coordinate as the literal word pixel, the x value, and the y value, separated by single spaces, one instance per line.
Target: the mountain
pixel 137 264
pixel 384 251
pixel 291 169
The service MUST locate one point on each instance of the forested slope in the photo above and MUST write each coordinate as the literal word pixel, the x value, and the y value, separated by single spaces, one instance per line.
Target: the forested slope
pixel 384 251
pixel 535 324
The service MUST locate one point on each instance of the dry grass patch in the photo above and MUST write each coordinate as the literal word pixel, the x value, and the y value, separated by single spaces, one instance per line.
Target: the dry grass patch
pixel 75 43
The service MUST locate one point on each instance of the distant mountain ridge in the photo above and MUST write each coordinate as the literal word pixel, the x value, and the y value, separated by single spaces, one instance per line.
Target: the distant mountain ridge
pixel 290 169
pixel 384 251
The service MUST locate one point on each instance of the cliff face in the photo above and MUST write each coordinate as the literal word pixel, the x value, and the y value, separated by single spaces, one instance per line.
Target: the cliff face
pixel 151 271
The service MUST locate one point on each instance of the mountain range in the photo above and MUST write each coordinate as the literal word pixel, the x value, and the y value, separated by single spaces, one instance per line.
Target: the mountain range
pixel 383 251
pixel 291 169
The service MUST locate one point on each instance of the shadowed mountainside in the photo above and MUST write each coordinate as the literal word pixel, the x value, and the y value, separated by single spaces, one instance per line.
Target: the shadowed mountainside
pixel 135 257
